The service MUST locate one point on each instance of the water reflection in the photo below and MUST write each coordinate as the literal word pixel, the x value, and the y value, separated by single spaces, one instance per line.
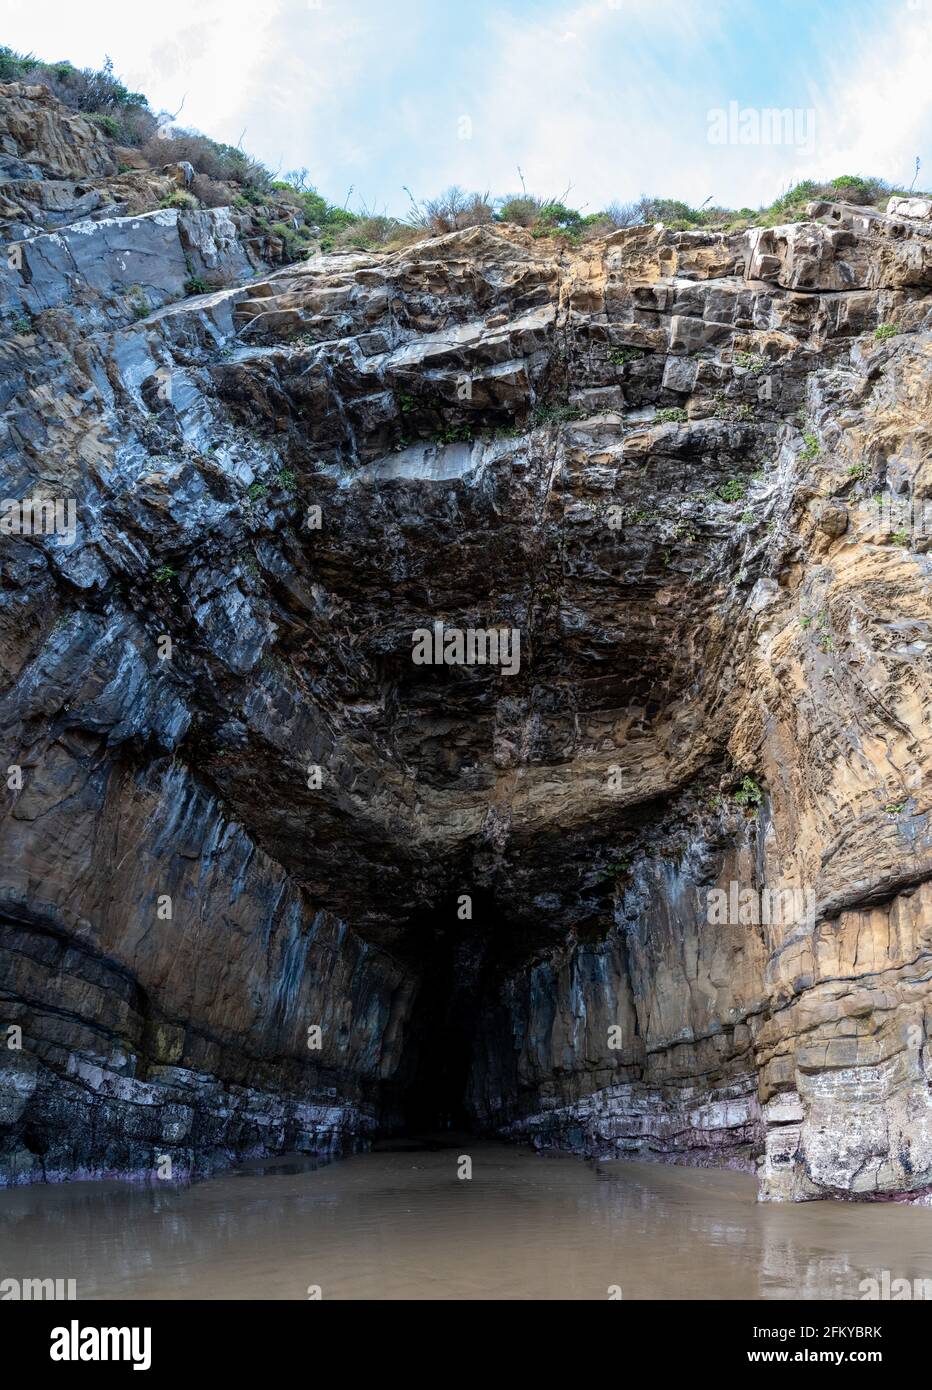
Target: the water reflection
pixel 399 1223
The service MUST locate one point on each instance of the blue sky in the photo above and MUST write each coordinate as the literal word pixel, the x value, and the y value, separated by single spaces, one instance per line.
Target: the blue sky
pixel 612 97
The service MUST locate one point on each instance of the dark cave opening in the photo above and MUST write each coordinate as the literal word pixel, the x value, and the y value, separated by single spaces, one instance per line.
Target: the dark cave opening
pixel 454 946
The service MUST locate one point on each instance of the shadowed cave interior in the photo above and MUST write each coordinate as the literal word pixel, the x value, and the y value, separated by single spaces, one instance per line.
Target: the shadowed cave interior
pixel 460 958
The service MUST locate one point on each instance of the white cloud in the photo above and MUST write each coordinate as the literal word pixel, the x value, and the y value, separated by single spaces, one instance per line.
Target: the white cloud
pixel 873 109
pixel 611 96
pixel 604 112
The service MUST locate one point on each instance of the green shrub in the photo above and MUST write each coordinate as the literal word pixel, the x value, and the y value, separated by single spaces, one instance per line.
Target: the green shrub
pixel 622 356
pixel 555 414
pixel 748 794
pixel 884 331
pixel 454 434
pixel 810 449
pixel 293 242
pixel 557 216
pixel 824 639
pixel 138 303
pixel 823 630
pixel 342 217
pixel 226 163
pixel 95 92
pixel 803 192
pixel 724 409
pixel 452 211
pixel 670 210
pixel 178 198
pixel 16 67
pixel 545 217
pixel 366 232
pixel 521 210
pixel 674 414
pixel 618 868
pixel 854 189
pixel 325 216
pixel 196 285
pixel 108 124
pixel 751 362
pixel 734 490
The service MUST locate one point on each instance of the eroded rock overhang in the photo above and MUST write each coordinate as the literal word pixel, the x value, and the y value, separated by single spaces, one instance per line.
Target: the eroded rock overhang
pixel 652 456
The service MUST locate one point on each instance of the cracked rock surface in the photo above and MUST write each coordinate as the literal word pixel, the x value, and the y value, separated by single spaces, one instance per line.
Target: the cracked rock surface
pixel 239 820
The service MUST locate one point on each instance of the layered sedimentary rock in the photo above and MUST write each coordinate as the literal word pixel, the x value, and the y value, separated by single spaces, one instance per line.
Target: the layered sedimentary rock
pixel 263 873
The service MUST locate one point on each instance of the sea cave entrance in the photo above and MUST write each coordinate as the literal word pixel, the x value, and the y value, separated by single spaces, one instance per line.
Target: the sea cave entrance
pixel 457 950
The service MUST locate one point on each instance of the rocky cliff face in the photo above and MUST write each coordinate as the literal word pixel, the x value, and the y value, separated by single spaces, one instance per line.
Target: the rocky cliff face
pixel 656 882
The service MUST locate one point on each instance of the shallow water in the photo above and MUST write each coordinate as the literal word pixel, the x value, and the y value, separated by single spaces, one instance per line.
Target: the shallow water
pixel 401 1224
